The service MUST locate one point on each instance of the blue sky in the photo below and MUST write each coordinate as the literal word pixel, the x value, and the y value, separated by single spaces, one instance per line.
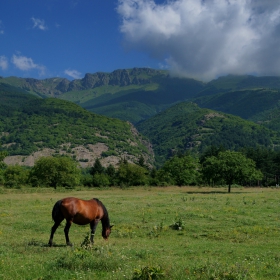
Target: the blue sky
pixel 51 38
pixel 202 39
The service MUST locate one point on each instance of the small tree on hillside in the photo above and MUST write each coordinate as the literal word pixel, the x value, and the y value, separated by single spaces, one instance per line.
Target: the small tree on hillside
pixel 230 167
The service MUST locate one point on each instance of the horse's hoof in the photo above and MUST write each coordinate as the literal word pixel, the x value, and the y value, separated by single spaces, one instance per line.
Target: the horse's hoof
pixel 50 244
pixel 69 244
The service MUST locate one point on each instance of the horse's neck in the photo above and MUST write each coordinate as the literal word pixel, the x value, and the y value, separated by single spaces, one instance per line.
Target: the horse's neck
pixel 105 221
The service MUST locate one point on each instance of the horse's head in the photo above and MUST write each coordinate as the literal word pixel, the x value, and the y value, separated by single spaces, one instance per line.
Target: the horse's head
pixel 106 232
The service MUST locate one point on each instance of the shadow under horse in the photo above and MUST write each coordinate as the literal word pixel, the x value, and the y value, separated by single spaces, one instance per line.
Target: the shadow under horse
pixel 80 212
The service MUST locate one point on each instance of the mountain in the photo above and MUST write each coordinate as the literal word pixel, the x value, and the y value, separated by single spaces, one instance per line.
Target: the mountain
pixel 137 94
pixel 50 126
pixel 154 102
pixel 128 94
pixel 186 126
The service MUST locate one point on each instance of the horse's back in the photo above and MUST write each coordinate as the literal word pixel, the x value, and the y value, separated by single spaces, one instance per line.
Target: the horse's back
pixel 81 211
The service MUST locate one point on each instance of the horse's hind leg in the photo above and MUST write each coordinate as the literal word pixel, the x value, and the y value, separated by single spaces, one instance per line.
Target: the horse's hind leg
pixel 66 231
pixel 55 226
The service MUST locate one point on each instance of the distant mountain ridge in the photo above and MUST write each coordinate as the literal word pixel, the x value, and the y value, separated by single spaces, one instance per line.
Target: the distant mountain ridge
pixel 173 113
pixel 57 86
pixel 108 93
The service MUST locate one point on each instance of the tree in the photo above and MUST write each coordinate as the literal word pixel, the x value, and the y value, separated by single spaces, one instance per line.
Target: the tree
pixel 97 168
pixel 180 170
pixel 3 166
pixel 131 174
pixel 230 167
pixel 15 175
pixel 3 154
pixel 111 172
pixel 55 171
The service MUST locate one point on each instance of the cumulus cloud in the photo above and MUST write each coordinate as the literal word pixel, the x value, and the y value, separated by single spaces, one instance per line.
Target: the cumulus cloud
pixel 73 74
pixel 26 64
pixel 39 24
pixel 3 62
pixel 204 39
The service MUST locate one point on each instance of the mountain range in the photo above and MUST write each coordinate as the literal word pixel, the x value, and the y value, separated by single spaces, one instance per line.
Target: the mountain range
pixel 172 114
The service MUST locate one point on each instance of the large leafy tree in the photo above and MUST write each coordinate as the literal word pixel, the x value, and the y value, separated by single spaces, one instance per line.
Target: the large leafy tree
pixel 131 174
pixel 180 170
pixel 230 167
pixel 55 171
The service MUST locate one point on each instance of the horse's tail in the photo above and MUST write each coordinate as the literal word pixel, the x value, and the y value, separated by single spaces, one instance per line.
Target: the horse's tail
pixel 56 212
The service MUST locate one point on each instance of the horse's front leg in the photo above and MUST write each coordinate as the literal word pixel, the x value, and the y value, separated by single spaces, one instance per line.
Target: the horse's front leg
pixel 93 226
pixel 66 231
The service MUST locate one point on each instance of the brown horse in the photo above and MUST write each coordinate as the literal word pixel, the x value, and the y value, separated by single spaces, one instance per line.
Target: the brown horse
pixel 80 212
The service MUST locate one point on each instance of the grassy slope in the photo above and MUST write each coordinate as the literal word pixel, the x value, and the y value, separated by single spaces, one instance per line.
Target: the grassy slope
pixel 247 103
pixel 187 126
pixel 224 236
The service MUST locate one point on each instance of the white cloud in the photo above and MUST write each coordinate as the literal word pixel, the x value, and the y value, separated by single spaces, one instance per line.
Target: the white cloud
pixel 206 38
pixel 3 62
pixel 39 23
pixel 73 74
pixel 26 64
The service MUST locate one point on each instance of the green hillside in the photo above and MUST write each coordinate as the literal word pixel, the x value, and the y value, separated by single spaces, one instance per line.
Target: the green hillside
pixel 63 126
pixel 12 98
pixel 244 103
pixel 186 126
pixel 239 82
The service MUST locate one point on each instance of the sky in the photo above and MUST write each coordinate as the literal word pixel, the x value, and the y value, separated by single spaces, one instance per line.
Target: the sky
pixel 201 39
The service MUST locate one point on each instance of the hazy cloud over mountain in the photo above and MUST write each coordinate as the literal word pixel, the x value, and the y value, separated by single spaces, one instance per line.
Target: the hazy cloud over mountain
pixel 73 73
pixel 206 38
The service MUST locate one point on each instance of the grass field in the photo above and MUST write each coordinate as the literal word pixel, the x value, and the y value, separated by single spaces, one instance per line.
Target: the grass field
pixel 173 233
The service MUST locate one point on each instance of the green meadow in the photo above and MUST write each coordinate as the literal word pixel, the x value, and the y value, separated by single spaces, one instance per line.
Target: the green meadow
pixel 158 233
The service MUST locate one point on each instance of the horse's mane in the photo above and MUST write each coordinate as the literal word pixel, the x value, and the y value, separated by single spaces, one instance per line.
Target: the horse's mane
pixel 105 219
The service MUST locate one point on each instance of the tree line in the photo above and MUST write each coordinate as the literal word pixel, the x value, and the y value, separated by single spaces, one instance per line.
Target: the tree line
pixel 215 167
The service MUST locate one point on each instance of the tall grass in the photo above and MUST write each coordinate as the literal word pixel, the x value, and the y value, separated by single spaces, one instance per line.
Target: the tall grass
pixel 158 233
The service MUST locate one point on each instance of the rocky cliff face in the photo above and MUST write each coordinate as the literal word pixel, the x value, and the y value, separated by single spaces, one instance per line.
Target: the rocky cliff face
pixel 121 77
